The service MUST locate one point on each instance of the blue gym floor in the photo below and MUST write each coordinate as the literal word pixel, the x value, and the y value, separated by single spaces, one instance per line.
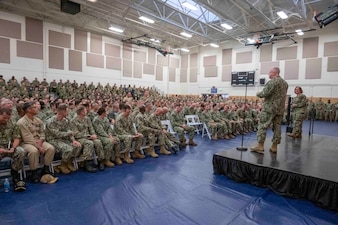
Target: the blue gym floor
pixel 176 189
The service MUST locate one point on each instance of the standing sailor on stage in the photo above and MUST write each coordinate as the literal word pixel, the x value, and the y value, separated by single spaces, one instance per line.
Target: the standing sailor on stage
pixel 298 106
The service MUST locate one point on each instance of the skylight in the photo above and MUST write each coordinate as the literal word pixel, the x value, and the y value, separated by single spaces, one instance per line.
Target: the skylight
pixel 201 13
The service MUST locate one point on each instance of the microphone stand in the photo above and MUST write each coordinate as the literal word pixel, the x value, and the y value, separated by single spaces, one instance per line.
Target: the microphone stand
pixel 242 148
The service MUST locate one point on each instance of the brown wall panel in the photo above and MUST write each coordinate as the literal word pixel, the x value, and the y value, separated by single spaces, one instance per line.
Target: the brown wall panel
pixel 159 73
pixel 59 39
pixel 226 72
pixel 183 75
pixel 162 60
pixel 75 60
pixel 184 61
pixel 193 60
pixel 210 71
pixel 226 56
pixel 56 58
pixel 193 75
pixel 80 40
pixel 172 74
pixel 127 51
pixel 113 63
pixel 95 43
pixel 10 29
pixel 265 53
pixel 174 63
pixel 137 69
pixel 140 56
pixel 266 66
pixel 112 50
pixel 291 70
pixel 332 64
pixel 29 50
pixel 95 60
pixel 310 47
pixel 148 69
pixel 287 53
pixel 5 53
pixel 331 48
pixel 151 56
pixel 209 61
pixel 34 30
pixel 244 57
pixel 127 68
pixel 313 69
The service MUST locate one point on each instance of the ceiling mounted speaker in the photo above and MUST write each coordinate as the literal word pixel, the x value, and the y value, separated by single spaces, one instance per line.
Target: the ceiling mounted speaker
pixel 70 7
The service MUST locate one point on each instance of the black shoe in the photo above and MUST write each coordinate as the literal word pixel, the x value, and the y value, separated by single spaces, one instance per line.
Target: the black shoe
pixel 101 165
pixel 45 170
pixel 35 177
pixel 89 168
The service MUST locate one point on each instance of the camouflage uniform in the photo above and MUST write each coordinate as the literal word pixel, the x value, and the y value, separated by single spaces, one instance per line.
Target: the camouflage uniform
pixel 104 130
pixel 82 130
pixel 206 118
pixel 8 133
pixel 274 94
pixel 143 126
pixel 177 119
pixel 299 104
pixel 125 131
pixel 61 137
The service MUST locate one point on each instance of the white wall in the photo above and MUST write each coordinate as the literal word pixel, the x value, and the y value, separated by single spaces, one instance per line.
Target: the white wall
pixel 31 68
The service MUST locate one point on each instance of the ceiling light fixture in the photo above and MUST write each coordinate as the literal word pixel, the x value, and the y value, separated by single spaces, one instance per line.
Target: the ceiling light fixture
pixel 299 32
pixel 214 45
pixel 226 26
pixel 116 29
pixel 146 19
pixel 282 15
pixel 185 50
pixel 186 34
pixel 189 6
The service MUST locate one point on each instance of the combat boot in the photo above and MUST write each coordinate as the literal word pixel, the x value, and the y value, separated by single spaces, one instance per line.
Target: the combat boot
pixel 258 148
pixel 19 185
pixel 127 158
pixel 101 165
pixel 192 143
pixel 226 137
pixel 138 155
pixel 64 168
pixel 89 168
pixel 151 152
pixel 70 166
pixel 118 160
pixel 214 137
pixel 298 136
pixel 164 151
pixel 273 148
pixel 292 135
pixel 108 163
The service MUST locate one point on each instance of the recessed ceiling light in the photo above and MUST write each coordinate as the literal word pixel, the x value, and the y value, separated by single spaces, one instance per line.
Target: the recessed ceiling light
pixel 186 34
pixel 282 15
pixel 189 6
pixel 214 45
pixel 116 29
pixel 185 50
pixel 91 0
pixel 146 19
pixel 226 26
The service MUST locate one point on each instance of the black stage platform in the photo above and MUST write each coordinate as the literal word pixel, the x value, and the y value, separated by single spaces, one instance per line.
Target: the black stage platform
pixel 302 168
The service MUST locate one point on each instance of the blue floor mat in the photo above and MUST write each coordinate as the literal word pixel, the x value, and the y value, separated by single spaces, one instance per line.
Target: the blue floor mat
pixel 176 189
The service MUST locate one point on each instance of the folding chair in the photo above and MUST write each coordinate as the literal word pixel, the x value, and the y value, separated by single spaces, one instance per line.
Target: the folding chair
pixel 193 120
